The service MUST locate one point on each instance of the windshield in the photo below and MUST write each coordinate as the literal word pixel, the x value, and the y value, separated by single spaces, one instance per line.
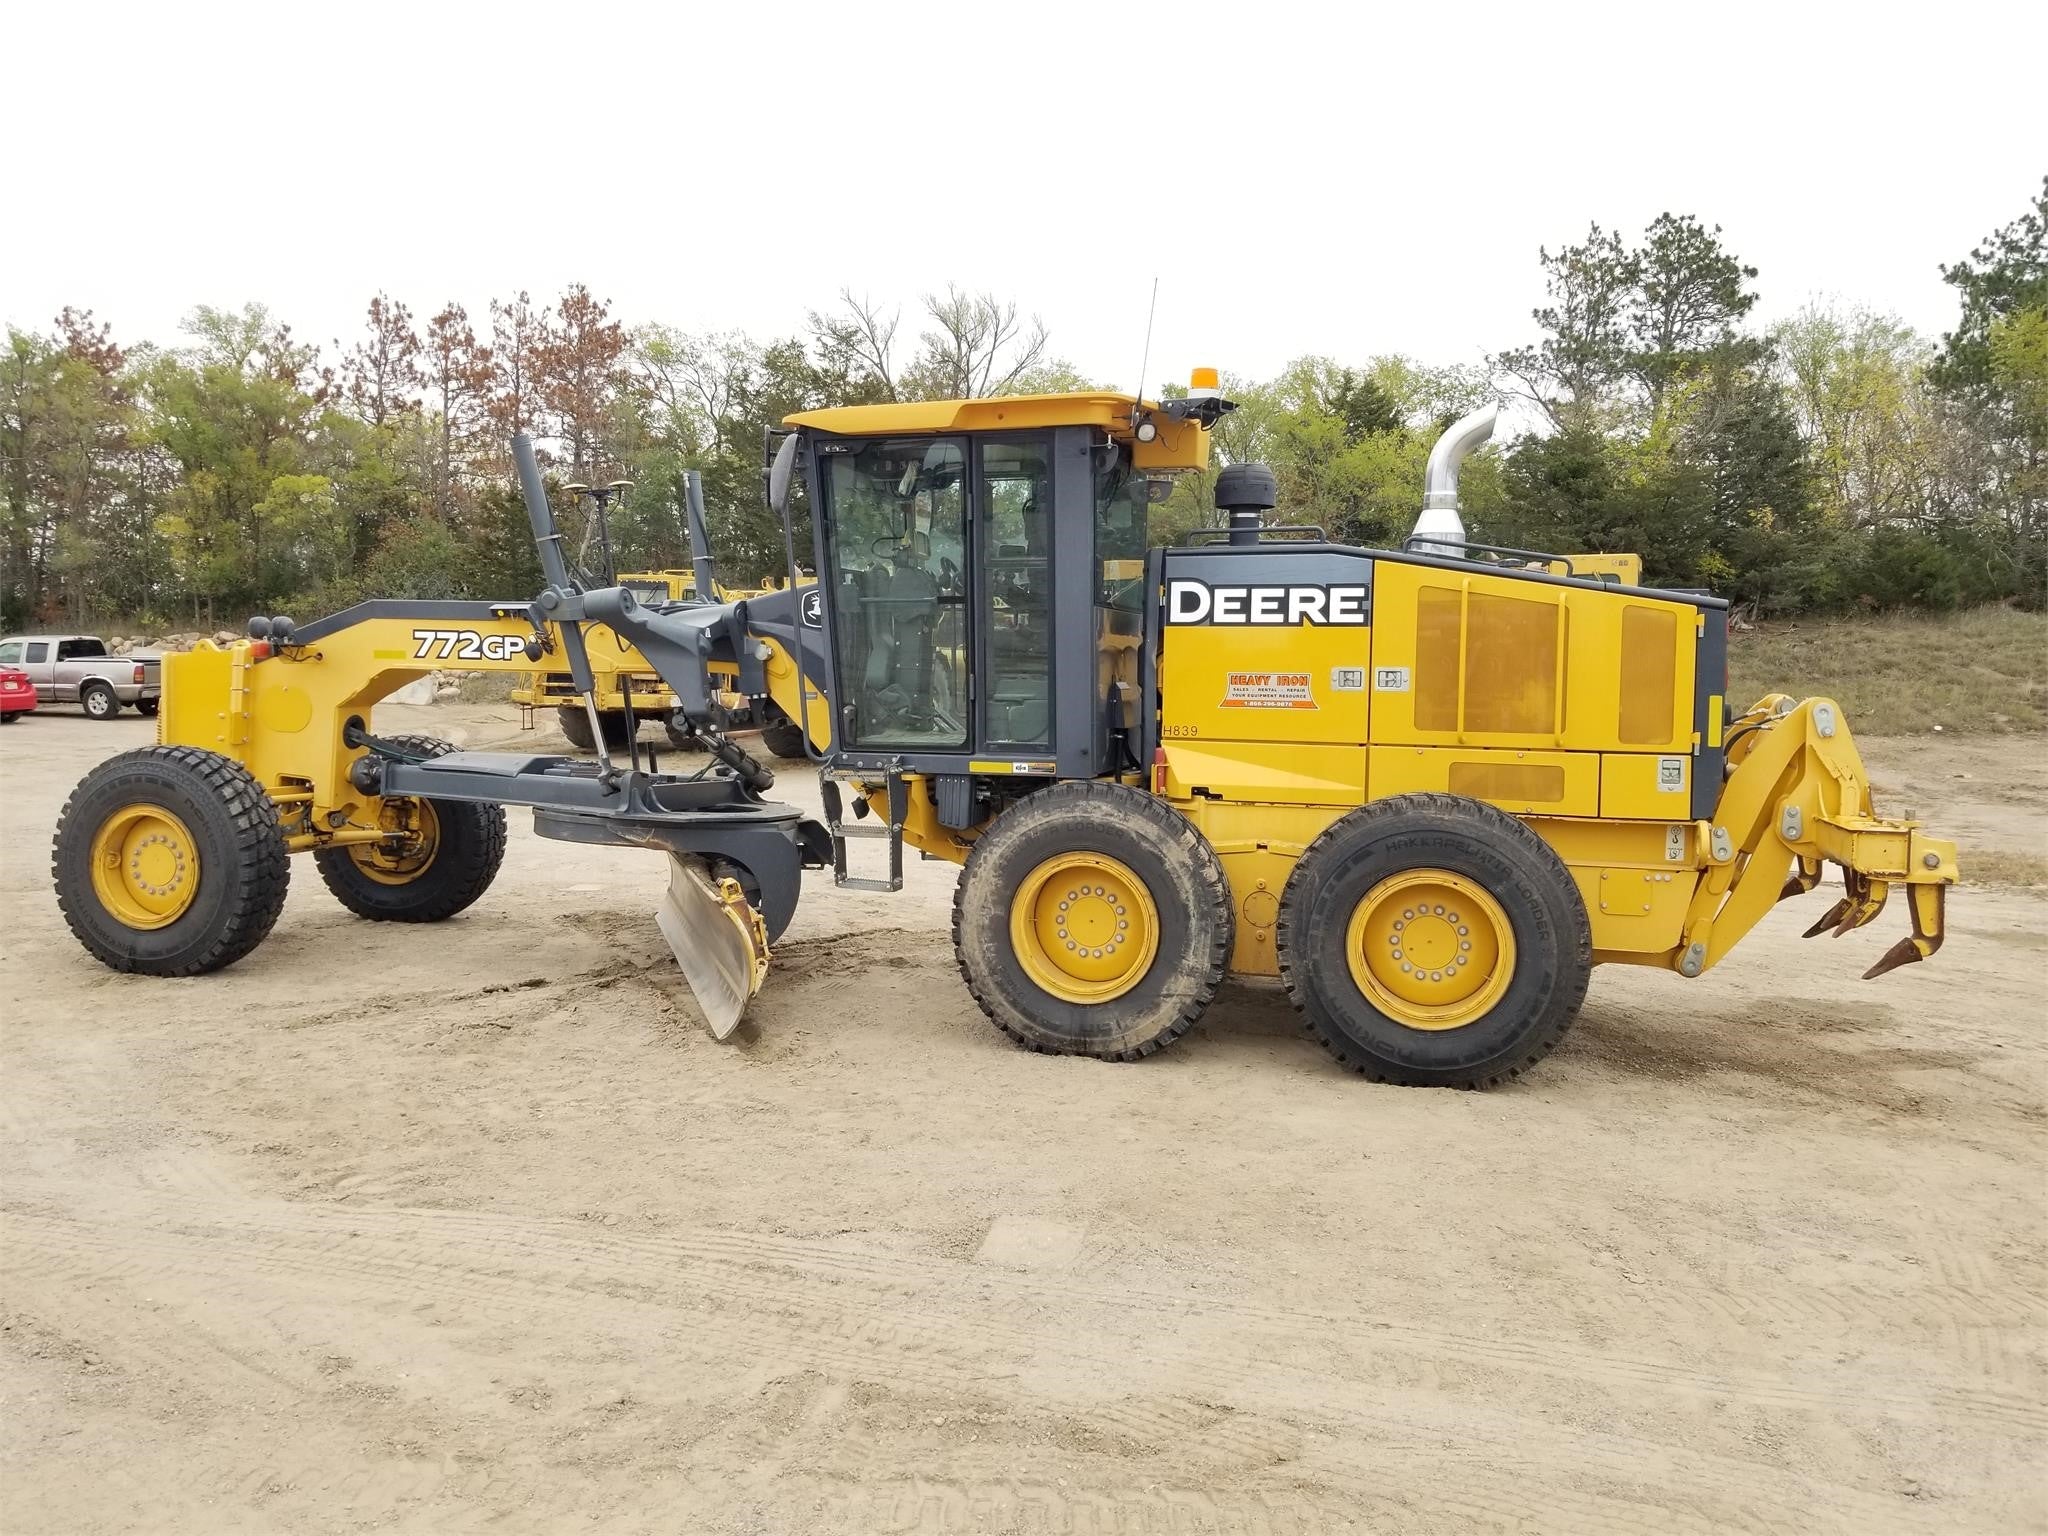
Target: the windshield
pixel 897 515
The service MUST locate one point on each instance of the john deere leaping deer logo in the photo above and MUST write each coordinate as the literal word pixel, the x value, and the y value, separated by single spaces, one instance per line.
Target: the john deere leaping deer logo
pixel 813 609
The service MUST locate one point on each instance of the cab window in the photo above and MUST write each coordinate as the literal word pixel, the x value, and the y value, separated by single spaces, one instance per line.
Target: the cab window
pixel 1016 598
pixel 38 650
pixel 897 511
pixel 10 652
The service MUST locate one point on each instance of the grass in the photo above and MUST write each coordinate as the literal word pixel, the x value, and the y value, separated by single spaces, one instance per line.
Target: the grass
pixel 1900 675
pixel 1989 866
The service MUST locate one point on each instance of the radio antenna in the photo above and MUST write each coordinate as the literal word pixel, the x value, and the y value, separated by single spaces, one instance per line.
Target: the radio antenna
pixel 1138 394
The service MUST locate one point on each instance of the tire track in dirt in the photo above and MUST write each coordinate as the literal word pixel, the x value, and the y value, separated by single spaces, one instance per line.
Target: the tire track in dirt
pixel 715 1300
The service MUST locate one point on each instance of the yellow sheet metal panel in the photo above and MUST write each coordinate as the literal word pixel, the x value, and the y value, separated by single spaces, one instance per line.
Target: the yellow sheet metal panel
pixel 1258 845
pixel 195 700
pixel 1641 911
pixel 1524 782
pixel 1264 683
pixel 1288 773
pixel 1651 706
pixel 1479 659
pixel 1512 673
pixel 1626 569
pixel 1631 844
pixel 1646 786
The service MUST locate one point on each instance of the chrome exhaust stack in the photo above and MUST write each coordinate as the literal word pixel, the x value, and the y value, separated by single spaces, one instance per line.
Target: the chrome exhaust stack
pixel 1440 530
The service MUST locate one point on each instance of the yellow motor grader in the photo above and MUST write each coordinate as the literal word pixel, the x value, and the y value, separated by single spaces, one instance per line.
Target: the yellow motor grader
pixel 1427 790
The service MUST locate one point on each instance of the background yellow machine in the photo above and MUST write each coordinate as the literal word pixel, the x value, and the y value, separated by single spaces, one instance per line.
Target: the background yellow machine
pixel 626 686
pixel 626 690
pixel 1426 789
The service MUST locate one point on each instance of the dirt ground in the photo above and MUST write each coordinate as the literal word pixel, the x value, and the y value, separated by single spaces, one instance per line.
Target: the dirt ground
pixel 474 1227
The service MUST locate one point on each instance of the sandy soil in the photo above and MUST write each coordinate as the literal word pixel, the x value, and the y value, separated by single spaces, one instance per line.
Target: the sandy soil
pixel 474 1227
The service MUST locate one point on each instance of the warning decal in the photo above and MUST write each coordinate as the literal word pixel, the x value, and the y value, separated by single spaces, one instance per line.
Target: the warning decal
pixel 1268 690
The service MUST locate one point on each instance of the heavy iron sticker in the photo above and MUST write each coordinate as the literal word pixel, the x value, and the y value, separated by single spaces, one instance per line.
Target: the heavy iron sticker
pixel 1268 690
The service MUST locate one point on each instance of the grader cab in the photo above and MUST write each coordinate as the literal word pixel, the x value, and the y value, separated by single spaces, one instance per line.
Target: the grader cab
pixel 1427 790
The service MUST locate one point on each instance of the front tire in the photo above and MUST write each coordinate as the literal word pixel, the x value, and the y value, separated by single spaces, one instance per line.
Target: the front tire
pixel 168 861
pixel 1434 941
pixel 98 701
pixel 1091 920
pixel 442 855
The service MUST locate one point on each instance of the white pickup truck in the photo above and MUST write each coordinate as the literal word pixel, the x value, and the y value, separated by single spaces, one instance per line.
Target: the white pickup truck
pixel 68 669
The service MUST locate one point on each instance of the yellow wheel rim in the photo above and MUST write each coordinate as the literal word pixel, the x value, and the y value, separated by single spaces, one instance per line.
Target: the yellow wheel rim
pixel 412 839
pixel 1430 949
pixel 145 866
pixel 1084 927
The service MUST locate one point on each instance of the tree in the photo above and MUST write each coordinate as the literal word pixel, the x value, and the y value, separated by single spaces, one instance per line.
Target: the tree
pixel 1592 289
pixel 381 373
pixel 976 345
pixel 580 375
pixel 859 342
pixel 456 370
pixel 1989 369
pixel 519 336
pixel 1687 302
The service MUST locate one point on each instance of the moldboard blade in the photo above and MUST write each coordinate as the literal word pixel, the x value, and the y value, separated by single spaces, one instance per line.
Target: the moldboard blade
pixel 719 941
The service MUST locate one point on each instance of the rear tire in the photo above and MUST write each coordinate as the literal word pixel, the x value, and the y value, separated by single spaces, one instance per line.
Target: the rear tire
pixel 168 861
pixel 9 719
pixel 98 701
pixel 464 845
pixel 1434 941
pixel 1091 920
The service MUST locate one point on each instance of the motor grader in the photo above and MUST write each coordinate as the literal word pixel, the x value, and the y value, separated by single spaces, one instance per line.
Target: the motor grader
pixel 1427 790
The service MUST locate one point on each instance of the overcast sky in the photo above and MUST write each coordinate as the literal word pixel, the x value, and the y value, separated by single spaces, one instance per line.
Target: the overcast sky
pixel 1334 178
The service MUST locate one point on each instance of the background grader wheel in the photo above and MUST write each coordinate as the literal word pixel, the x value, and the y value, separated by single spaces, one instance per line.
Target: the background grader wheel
pixel 1091 920
pixel 575 725
pixel 442 857
pixel 785 738
pixel 169 861
pixel 1433 940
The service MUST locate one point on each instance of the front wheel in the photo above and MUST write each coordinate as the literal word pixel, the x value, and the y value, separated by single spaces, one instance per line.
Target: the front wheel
pixel 169 861
pixel 1091 920
pixel 436 857
pixel 98 701
pixel 1435 941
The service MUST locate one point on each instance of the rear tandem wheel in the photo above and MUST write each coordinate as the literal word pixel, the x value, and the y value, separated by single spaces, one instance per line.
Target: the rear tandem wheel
pixel 1434 941
pixel 440 856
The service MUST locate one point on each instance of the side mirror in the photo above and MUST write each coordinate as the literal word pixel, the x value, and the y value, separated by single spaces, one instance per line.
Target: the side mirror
pixel 779 474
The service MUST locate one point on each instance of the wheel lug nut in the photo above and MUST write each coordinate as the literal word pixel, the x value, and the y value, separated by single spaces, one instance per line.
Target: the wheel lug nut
pixel 1463 931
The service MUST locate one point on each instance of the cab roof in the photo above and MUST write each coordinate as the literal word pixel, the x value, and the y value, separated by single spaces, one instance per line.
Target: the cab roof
pixel 1111 412
pixel 1170 442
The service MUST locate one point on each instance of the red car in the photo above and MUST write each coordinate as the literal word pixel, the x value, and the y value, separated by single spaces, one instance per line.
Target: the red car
pixel 17 694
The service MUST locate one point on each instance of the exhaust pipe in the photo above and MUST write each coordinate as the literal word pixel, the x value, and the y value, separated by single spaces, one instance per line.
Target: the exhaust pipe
pixel 1440 526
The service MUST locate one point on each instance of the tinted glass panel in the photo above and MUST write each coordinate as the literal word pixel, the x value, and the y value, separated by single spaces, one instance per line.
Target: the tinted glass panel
pixel 1016 499
pixel 897 552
